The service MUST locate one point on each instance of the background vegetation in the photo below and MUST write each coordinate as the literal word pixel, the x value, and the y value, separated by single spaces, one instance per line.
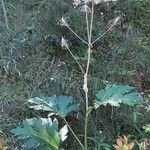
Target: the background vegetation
pixel 32 62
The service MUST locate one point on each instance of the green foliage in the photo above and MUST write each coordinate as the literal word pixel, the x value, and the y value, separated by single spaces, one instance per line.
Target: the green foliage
pixel 99 139
pixel 147 128
pixel 147 99
pixel 40 134
pixel 31 61
pixel 59 105
pixel 116 94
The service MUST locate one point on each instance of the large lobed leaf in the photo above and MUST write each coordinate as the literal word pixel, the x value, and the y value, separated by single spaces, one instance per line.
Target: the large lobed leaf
pixel 116 94
pixel 40 133
pixel 60 105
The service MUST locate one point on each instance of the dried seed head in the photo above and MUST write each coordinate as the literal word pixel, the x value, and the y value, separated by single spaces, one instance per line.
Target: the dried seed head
pixel 64 44
pixel 87 1
pixel 63 22
pixel 83 2
pixel 97 1
pixel 85 8
pixel 76 2
pixel 114 22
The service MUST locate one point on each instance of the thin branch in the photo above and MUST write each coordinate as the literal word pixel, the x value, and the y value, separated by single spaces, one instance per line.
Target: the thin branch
pixel 91 25
pixel 74 134
pixel 76 60
pixel 87 26
pixel 77 35
pixel 90 38
pixel 114 24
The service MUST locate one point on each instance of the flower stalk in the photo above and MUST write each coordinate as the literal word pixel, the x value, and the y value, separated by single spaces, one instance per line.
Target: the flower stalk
pixel 85 86
pixel 89 16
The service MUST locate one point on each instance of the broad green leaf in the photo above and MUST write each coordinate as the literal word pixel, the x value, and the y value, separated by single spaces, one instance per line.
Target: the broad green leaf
pixel 60 105
pixel 40 133
pixel 117 94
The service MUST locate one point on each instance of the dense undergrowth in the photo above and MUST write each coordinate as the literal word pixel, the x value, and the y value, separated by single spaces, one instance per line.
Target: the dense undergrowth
pixel 32 63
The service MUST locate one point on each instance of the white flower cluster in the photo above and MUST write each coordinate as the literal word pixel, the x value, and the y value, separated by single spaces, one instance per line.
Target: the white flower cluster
pixel 79 2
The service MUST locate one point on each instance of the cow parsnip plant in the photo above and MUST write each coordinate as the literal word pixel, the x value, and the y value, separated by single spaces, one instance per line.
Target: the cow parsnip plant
pixel 42 132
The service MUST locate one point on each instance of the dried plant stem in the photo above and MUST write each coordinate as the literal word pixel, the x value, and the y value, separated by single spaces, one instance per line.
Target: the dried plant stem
pixel 85 86
pixel 77 35
pixel 76 60
pixel 87 26
pixel 103 34
pixel 74 134
pixel 91 25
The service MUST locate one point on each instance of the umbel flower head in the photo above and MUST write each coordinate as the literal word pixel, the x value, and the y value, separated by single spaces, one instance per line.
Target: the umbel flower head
pixel 122 144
